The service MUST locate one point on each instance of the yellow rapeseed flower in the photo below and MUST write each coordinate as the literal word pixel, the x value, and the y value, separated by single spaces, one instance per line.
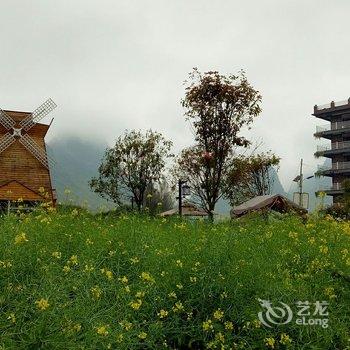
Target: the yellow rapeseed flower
pixel 134 260
pixel 172 295
pixel 21 238
pixel 102 330
pixel 218 314
pixel 12 318
pixel 123 279
pixel 42 304
pixel 96 292
pixel 179 263
pixel 162 313
pixel 207 325
pixel 136 304
pixel 323 249
pixel 285 339
pixel 73 260
pixel 57 255
pixel 142 335
pixel 178 307
pixel 66 269
pixel 146 276
pixel 329 291
pixel 140 295
pixel 270 342
pixel 229 326
pixel 126 325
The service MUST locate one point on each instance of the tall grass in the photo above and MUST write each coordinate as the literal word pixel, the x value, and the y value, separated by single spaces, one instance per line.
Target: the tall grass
pixel 72 280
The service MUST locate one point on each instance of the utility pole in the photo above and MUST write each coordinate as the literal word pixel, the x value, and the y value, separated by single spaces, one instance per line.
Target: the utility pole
pixel 180 196
pixel 184 190
pixel 301 183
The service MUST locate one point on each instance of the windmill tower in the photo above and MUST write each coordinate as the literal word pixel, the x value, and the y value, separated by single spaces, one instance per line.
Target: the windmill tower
pixel 24 164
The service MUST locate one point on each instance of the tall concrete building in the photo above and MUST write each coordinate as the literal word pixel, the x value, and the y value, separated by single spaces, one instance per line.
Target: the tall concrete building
pixel 337 131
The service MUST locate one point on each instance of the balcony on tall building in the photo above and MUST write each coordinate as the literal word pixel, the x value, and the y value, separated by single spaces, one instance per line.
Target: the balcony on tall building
pixel 337 168
pixel 333 129
pixel 329 110
pixel 335 148
pixel 333 190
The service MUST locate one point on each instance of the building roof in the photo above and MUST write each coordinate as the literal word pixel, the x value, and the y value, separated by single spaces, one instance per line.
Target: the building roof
pixel 275 202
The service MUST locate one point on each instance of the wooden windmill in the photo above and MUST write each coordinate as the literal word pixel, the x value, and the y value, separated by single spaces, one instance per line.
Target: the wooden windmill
pixel 24 164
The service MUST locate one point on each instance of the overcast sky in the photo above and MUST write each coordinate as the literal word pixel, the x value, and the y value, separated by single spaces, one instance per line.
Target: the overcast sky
pixel 112 65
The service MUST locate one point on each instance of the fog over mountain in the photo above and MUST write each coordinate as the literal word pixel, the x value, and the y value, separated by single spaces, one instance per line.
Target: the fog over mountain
pixel 76 162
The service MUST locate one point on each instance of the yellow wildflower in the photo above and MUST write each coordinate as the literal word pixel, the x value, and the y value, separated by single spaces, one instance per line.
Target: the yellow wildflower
pixel 311 240
pixel 66 269
pixel 21 238
pixel 146 276
pixel 329 291
pixel 172 295
pixel 42 304
pixel 96 292
pixel 126 325
pixel 134 260
pixel 140 295
pixel 178 307
pixel 270 342
pixel 88 268
pixel 12 318
pixel 229 326
pixel 323 249
pixel 207 325
pixel 220 337
pixel 285 339
pixel 89 241
pixel 102 330
pixel 73 260
pixel 162 313
pixel 57 255
pixel 123 279
pixel 136 304
pixel 179 263
pixel 218 314
pixel 142 335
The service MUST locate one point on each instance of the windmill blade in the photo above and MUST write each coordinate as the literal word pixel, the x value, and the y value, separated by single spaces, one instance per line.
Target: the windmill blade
pixel 6 120
pixel 6 141
pixel 38 114
pixel 35 150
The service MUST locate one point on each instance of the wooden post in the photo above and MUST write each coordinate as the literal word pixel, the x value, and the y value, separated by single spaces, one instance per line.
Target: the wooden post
pixel 8 207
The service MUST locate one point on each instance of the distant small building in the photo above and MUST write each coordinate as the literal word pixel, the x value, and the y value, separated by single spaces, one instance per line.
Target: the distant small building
pixel 274 202
pixel 188 209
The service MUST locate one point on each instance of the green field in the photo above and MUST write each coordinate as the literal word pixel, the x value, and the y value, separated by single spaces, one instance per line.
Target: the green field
pixel 71 280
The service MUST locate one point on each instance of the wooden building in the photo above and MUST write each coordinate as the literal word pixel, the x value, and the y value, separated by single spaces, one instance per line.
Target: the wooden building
pixel 24 165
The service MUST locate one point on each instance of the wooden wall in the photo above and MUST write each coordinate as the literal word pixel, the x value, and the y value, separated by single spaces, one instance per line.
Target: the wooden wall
pixel 16 163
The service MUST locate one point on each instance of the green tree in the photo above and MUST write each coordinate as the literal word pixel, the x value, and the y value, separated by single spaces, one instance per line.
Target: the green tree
pixel 135 163
pixel 250 176
pixel 218 107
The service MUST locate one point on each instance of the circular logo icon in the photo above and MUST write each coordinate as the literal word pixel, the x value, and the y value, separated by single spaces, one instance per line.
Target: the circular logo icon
pixel 274 315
